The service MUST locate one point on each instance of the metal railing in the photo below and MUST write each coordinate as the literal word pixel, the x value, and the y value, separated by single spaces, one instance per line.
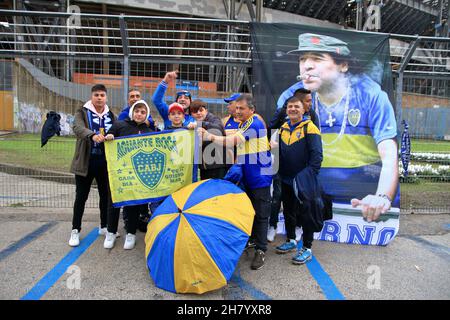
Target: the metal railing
pixel 55 61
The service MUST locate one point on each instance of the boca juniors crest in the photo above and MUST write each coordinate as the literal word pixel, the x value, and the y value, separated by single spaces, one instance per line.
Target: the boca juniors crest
pixel 358 115
pixel 149 167
pixel 354 115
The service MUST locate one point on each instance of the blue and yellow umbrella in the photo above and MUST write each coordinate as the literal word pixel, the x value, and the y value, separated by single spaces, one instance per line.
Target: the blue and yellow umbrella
pixel 197 235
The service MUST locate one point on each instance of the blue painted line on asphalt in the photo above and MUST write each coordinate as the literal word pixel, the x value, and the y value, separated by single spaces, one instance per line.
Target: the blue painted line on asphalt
pixel 235 293
pixel 439 249
pixel 323 279
pixel 244 285
pixel 25 240
pixel 53 275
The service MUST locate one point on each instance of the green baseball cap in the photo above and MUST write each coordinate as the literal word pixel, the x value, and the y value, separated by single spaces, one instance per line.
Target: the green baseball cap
pixel 310 42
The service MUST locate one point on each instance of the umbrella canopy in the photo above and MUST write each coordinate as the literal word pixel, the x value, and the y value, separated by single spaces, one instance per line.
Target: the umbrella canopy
pixel 197 235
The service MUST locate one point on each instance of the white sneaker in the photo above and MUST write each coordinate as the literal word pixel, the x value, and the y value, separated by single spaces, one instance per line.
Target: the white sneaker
pixel 110 239
pixel 271 233
pixel 130 241
pixel 104 231
pixel 298 234
pixel 74 238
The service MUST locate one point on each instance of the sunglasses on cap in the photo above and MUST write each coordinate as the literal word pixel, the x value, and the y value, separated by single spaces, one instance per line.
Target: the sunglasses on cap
pixel 184 93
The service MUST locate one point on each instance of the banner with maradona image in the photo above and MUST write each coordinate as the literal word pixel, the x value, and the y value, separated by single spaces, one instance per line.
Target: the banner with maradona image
pixel 149 167
pixel 349 79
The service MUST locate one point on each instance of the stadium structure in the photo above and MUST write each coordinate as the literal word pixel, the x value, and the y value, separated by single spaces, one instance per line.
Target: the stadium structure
pixel 53 51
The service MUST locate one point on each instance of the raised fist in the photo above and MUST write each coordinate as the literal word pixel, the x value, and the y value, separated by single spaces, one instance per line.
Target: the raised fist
pixel 170 76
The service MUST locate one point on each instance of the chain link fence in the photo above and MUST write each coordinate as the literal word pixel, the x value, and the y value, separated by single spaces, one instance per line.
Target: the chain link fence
pixel 425 188
pixel 421 68
pixel 49 61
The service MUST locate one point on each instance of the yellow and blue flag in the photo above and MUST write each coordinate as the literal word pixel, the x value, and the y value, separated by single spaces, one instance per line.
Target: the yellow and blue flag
pixel 197 235
pixel 149 167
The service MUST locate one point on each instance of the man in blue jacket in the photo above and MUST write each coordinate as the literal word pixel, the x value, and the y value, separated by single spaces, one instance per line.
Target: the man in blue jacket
pixel 183 97
pixel 134 95
pixel 253 155
pixel 300 148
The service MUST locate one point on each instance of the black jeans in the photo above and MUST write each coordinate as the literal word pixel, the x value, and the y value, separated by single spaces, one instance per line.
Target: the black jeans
pixel 98 171
pixel 143 209
pixel 275 205
pixel 216 173
pixel 132 213
pixel 294 215
pixel 261 203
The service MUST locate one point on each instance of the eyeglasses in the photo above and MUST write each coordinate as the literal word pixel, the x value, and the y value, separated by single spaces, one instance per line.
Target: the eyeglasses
pixel 183 93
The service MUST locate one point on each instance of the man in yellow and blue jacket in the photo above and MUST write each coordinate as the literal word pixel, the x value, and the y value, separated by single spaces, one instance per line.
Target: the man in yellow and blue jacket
pixel 300 147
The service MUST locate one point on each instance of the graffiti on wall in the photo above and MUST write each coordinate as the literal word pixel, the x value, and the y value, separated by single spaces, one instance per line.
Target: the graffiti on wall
pixel 66 124
pixel 29 119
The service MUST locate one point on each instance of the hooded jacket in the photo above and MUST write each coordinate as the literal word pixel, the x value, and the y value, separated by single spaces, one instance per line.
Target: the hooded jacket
pixel 80 162
pixel 130 127
pixel 125 115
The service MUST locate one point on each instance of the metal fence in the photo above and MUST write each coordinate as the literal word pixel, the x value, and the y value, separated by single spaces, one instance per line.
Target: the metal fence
pixel 50 61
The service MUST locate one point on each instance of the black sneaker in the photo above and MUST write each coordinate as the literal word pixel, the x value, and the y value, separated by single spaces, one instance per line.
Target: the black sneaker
pixel 258 260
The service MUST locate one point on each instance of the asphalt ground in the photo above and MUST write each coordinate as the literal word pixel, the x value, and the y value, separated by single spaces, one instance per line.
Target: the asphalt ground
pixel 36 262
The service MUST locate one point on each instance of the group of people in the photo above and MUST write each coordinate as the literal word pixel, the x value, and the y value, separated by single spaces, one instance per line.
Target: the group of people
pixel 94 124
pixel 236 136
pixel 358 124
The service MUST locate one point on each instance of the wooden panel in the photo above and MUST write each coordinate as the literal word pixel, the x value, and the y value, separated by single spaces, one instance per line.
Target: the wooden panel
pixel 6 110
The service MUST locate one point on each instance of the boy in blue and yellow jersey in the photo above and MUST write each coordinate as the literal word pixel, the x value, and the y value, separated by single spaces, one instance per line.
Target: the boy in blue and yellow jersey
pixel 297 152
pixel 357 123
pixel 253 154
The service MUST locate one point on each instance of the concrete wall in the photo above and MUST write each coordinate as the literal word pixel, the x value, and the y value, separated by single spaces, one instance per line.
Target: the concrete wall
pixel 413 100
pixel 32 101
pixel 212 9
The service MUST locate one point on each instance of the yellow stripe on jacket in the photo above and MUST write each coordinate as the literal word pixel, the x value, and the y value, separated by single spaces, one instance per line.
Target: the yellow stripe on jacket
pixel 297 134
